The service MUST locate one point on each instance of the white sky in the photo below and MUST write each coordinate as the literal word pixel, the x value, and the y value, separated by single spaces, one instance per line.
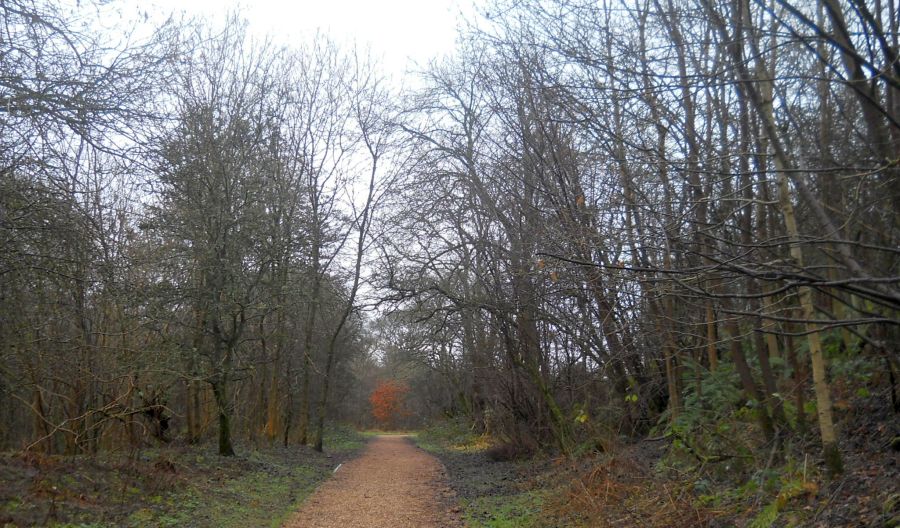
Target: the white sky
pixel 400 33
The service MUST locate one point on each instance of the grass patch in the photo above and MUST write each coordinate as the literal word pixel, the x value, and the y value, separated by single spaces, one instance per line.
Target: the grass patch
pixel 450 435
pixel 521 510
pixel 342 439
pixel 262 496
pixel 491 493
pixel 371 433
pixel 168 487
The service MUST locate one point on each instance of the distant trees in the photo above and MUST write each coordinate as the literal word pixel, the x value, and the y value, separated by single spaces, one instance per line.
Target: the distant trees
pixel 637 200
pixel 175 217
pixel 257 182
pixel 594 221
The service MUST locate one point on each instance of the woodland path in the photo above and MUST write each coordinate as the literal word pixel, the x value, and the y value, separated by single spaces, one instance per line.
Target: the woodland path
pixel 392 484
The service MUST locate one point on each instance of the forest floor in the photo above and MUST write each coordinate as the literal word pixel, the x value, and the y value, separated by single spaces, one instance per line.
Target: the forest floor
pixel 652 484
pixel 168 486
pixel 491 493
pixel 392 484
pixel 458 479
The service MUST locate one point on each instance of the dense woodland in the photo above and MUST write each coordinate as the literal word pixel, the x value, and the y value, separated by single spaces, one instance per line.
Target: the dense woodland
pixel 596 222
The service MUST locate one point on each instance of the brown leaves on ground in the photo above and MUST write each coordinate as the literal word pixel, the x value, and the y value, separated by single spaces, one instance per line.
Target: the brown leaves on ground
pixel 622 492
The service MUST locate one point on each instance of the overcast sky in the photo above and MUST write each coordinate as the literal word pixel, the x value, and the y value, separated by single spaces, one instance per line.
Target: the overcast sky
pixel 399 32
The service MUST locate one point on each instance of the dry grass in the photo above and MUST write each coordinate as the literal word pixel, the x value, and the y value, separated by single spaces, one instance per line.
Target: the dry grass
pixel 621 491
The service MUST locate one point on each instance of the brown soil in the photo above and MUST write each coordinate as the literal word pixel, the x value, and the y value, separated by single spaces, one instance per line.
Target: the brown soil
pixel 393 484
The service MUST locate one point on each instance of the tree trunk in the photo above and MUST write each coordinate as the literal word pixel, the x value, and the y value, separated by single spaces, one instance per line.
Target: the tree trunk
pixel 746 88
pixel 219 388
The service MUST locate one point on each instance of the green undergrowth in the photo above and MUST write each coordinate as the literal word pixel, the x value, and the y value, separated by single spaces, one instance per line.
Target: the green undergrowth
pixel 167 487
pixel 341 439
pixel 718 452
pixel 450 435
pixel 369 433
pixel 271 486
pixel 710 466
pixel 490 494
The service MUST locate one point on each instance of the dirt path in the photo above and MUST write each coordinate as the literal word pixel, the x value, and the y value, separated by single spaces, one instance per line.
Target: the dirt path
pixel 393 484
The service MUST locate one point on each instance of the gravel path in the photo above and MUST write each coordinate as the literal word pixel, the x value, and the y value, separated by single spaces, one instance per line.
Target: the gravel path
pixel 393 484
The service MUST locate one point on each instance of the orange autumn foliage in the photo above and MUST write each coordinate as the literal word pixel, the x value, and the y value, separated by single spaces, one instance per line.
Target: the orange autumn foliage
pixel 388 402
